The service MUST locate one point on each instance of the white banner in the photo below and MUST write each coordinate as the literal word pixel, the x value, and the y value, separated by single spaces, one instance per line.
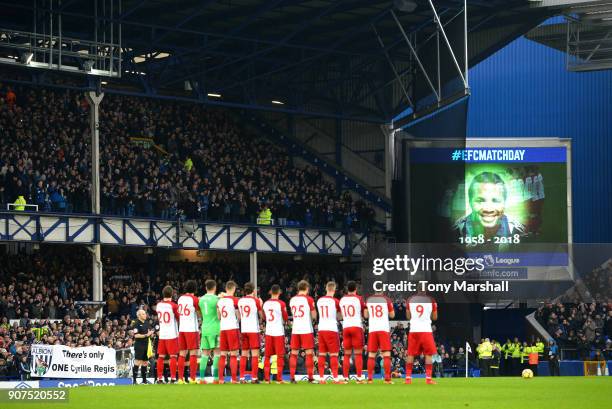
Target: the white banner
pixel 59 361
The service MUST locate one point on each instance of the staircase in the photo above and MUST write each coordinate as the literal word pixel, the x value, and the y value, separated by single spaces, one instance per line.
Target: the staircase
pixel 297 148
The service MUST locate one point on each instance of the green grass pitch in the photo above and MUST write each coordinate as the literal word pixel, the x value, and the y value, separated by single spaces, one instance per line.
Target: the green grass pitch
pixel 473 393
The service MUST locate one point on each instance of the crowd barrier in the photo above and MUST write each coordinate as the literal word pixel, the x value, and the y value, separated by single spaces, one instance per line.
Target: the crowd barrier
pixel 566 368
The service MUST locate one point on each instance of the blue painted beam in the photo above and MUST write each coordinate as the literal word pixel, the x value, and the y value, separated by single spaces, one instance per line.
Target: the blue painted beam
pixel 87 229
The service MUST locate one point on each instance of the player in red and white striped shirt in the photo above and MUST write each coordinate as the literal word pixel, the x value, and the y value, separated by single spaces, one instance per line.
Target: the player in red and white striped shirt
pixel 189 336
pixel 352 308
pixel 250 314
pixel 302 334
pixel 421 309
pixel 379 310
pixel 329 342
pixel 168 316
pixel 229 337
pixel 276 316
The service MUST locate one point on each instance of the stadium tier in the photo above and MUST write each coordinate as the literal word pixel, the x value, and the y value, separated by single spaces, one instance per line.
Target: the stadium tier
pixel 158 160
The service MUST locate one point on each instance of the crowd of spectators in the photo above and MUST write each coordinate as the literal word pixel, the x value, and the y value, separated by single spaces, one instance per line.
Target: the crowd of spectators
pixel 581 319
pixel 187 161
pixel 40 294
pixel 581 329
pixel 39 297
pixel 43 286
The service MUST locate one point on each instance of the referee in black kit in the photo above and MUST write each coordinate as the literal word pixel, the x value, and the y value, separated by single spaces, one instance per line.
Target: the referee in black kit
pixel 142 333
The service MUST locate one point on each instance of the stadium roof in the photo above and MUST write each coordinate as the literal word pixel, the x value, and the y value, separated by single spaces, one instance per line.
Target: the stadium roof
pixel 314 57
pixel 585 35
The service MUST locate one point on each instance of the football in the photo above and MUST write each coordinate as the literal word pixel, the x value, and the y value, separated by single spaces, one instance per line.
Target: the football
pixel 527 373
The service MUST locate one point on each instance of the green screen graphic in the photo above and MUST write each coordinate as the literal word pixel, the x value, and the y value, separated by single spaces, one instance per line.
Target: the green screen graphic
pixel 509 203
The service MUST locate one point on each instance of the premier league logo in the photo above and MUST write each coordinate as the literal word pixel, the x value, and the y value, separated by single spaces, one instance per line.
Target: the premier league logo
pixel 41 359
pixel 489 260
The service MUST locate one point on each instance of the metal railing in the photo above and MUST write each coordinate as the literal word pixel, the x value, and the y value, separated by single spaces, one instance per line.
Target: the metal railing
pixel 27 207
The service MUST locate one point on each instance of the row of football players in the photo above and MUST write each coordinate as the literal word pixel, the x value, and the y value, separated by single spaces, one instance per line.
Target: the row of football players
pixel 238 321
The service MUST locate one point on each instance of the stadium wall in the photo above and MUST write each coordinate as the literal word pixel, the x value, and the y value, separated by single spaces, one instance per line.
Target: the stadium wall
pixel 502 324
pixel 524 90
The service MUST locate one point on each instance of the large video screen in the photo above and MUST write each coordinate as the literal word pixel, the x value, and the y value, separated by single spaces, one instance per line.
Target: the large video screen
pixel 498 196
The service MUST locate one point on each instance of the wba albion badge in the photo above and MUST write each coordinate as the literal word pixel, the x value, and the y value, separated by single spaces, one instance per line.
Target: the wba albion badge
pixel 41 359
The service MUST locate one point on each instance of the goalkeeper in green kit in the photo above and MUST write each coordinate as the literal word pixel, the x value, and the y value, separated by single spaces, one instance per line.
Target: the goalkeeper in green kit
pixel 210 329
